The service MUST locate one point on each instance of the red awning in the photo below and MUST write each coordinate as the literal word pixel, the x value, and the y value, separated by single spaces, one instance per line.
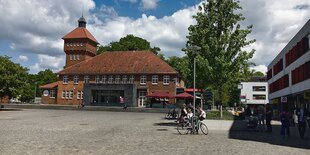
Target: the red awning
pixel 159 95
pixel 184 95
pixel 192 90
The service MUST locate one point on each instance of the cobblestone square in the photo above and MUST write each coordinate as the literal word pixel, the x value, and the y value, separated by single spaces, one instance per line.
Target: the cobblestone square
pixel 100 132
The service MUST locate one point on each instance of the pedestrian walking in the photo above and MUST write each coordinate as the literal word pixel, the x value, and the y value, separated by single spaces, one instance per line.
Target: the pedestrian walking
pixel 269 113
pixel 285 124
pixel 302 114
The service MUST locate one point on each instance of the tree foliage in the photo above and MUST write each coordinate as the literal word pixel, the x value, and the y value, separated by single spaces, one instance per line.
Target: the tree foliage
pixel 180 64
pixel 12 78
pixel 222 58
pixel 128 43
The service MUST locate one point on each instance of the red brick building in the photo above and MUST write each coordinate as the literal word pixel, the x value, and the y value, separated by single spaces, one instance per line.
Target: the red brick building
pixel 103 79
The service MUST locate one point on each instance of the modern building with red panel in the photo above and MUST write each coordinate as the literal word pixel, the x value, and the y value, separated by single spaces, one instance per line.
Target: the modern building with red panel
pixel 289 73
pixel 102 79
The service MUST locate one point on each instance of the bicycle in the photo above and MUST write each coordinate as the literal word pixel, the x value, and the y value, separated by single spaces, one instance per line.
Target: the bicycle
pixel 185 127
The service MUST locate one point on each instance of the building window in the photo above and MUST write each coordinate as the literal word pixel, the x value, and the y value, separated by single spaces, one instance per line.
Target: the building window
pixel 67 44
pixel 124 80
pixel 73 44
pixel 259 88
pixel 70 44
pixel 76 79
pixel 259 97
pixel 82 94
pixel 86 79
pixel 166 79
pixel 97 79
pixel 78 95
pixel 74 57
pixel 65 80
pixel 78 57
pixel 155 79
pixel 110 79
pixel 143 79
pixel 131 79
pixel 52 94
pixel 77 44
pixel 117 79
pixel 70 57
pixel 81 44
pixel 67 94
pixel 104 79
pixel 70 94
pixel 63 94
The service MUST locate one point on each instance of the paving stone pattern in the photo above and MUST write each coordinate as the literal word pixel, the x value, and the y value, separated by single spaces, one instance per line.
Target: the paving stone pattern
pixel 37 131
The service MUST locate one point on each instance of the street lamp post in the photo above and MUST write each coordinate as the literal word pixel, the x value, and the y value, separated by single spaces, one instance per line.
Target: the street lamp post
pixel 194 49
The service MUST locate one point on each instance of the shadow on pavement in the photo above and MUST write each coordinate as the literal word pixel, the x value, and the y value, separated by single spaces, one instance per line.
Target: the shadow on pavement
pixel 240 131
pixel 165 124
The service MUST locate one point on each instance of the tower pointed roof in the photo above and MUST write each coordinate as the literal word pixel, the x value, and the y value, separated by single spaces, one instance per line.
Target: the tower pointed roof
pixel 80 32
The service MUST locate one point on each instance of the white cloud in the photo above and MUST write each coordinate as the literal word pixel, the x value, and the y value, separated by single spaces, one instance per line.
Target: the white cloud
pixel 261 68
pixel 274 25
pixel 168 33
pixel 55 63
pixel 37 26
pixel 149 4
pixel 23 58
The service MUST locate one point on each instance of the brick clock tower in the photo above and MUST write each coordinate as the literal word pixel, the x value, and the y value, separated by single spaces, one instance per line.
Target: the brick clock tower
pixel 79 44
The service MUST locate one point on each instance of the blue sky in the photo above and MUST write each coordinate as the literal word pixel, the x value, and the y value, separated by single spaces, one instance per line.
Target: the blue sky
pixel 31 30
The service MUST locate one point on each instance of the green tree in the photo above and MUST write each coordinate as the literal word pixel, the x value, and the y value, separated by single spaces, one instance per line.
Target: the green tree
pixel 222 58
pixel 180 64
pixel 42 78
pixel 13 77
pixel 128 43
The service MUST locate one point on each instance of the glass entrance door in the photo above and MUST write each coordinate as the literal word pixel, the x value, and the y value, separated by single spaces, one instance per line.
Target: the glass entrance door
pixel 141 98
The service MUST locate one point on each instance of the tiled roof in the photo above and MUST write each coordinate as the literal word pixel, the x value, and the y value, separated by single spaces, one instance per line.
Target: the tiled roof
pixel 121 62
pixel 49 86
pixel 80 32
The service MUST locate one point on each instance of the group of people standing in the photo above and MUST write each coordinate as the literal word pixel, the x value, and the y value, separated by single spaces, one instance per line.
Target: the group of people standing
pixel 300 116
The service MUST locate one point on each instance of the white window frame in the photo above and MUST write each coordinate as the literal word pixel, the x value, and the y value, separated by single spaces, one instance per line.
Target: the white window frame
pixel 67 94
pixel 124 79
pixel 70 56
pixel 86 79
pixel 110 79
pixel 82 95
pixel 131 79
pixel 78 96
pixel 117 79
pixel 78 57
pixel 166 80
pixel 65 79
pixel 63 94
pixel 97 79
pixel 71 94
pixel 52 94
pixel 154 79
pixel 143 80
pixel 104 79
pixel 76 79
pixel 74 57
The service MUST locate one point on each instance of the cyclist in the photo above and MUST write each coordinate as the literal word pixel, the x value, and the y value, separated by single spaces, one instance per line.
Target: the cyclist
pixel 202 114
pixel 183 114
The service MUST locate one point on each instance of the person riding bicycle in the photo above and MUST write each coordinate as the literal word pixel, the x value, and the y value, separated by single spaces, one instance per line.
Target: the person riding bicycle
pixel 202 114
pixel 183 114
